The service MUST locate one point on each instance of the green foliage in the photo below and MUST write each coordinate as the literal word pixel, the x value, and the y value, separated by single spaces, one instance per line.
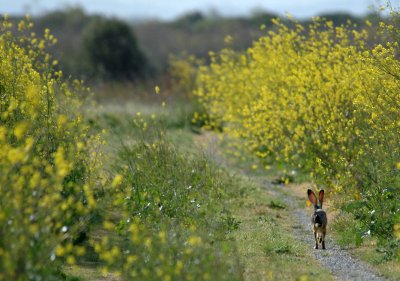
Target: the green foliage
pixel 47 177
pixel 231 223
pixel 339 19
pixel 347 230
pixel 112 50
pixel 189 19
pixel 278 242
pixel 277 204
pixel 172 213
pixel 282 101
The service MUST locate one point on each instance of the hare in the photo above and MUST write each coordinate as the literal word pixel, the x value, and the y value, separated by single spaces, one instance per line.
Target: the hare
pixel 318 218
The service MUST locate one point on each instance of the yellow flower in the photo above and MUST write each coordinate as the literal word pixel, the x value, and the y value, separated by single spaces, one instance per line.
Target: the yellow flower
pixel 147 242
pixel 178 267
pixel 162 236
pixel 228 39
pixel 3 132
pixel 71 260
pixel 108 225
pixel 20 129
pixel 80 250
pixel 117 180
pixel 34 228
pixel 60 251
pixel 194 240
pixel 61 120
pixel 396 229
pixel 63 166
pixel 15 155
pixel 132 259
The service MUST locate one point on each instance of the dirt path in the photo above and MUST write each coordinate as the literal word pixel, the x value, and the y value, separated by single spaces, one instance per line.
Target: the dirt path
pixel 337 260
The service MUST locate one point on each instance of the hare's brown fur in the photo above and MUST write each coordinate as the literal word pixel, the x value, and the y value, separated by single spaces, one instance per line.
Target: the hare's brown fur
pixel 319 219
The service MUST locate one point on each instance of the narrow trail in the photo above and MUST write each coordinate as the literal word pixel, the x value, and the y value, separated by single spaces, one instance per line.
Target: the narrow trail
pixel 337 260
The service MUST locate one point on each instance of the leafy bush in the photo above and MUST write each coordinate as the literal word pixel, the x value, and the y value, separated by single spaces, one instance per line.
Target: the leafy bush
pixel 112 50
pixel 173 211
pixel 324 103
pixel 46 179
pixel 347 230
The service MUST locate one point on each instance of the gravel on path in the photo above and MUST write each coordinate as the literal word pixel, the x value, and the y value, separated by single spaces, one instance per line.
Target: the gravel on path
pixel 337 260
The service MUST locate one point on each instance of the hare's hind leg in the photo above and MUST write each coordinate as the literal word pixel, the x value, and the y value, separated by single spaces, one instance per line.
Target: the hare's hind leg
pixel 316 240
pixel 323 240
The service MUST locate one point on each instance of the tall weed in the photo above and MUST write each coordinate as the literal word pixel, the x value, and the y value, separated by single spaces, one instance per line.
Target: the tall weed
pixel 47 160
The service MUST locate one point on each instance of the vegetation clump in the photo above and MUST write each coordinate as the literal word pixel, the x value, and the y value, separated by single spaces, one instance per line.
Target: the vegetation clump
pixel 156 213
pixel 112 50
pixel 322 102
pixel 47 160
pixel 172 215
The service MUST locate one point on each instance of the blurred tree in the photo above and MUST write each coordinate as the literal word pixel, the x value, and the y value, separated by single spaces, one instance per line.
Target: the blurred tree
pixel 260 17
pixel 342 18
pixel 195 33
pixel 66 25
pixel 189 19
pixel 112 50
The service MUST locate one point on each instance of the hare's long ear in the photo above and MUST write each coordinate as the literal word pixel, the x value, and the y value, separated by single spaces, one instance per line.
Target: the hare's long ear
pixel 312 197
pixel 321 197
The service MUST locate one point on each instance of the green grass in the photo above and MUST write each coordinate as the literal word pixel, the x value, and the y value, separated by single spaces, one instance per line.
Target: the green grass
pixel 168 187
pixel 345 229
pixel 88 273
pixel 277 204
pixel 267 249
pixel 254 224
pixel 247 228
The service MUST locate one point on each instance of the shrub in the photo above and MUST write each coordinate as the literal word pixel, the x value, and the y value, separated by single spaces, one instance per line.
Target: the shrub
pixel 46 177
pixel 112 50
pixel 323 103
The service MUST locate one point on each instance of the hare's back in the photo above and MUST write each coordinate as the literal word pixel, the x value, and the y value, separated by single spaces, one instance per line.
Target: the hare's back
pixel 320 217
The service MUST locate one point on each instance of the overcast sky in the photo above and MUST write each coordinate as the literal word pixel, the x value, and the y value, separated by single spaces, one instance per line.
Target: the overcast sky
pixel 169 9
